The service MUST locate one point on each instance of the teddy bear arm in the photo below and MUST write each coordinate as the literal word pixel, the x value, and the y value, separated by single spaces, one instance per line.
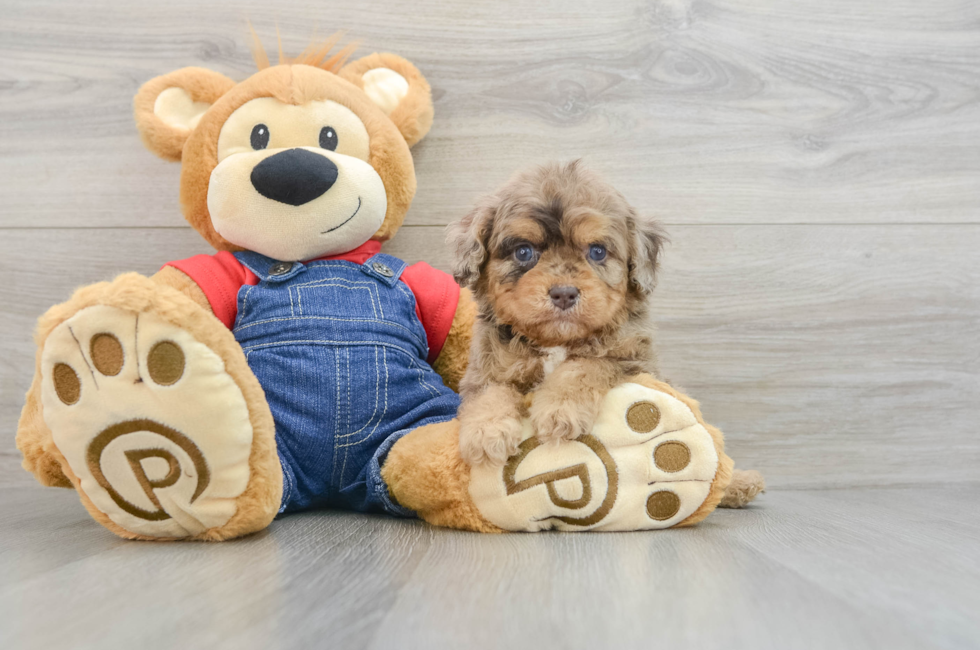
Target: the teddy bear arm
pixel 175 279
pixel 452 361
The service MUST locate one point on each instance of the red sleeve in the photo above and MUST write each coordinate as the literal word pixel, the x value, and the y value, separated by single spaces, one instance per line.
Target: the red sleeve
pixel 436 298
pixel 220 276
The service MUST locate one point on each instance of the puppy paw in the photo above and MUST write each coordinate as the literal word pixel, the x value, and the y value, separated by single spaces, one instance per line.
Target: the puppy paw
pixel 557 420
pixel 489 441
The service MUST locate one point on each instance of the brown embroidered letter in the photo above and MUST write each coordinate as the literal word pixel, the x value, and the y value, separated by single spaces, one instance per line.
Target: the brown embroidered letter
pixel 580 471
pixel 136 458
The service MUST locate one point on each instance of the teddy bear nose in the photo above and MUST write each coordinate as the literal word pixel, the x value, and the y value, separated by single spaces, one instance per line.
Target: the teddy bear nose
pixel 563 297
pixel 294 176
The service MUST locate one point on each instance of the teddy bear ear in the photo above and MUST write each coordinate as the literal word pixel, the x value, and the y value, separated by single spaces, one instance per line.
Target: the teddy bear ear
pixel 168 108
pixel 398 88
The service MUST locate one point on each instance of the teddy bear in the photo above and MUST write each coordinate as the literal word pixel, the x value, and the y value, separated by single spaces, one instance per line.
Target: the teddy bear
pixel 299 367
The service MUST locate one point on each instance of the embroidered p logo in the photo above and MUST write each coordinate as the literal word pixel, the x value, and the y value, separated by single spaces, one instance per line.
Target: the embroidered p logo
pixel 102 451
pixel 578 471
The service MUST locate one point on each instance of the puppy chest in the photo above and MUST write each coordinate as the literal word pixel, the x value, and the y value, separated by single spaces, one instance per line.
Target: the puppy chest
pixel 553 357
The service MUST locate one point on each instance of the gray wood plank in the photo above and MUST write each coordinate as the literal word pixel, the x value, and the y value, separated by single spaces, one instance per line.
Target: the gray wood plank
pixel 830 355
pixel 734 111
pixel 810 569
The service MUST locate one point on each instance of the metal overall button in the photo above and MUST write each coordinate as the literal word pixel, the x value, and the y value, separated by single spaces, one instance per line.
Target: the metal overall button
pixel 382 269
pixel 280 268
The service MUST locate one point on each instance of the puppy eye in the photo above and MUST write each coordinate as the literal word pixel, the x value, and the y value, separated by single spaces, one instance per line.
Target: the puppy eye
pixel 597 252
pixel 328 138
pixel 524 253
pixel 260 136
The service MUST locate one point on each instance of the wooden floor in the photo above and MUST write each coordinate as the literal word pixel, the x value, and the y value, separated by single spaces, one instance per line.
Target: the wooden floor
pixel 861 568
pixel 817 166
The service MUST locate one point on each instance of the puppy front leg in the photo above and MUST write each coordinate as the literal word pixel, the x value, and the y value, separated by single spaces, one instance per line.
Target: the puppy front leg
pixel 567 403
pixel 490 426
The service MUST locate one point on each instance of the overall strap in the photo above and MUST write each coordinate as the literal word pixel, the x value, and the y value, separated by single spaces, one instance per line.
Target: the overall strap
pixel 268 269
pixel 384 268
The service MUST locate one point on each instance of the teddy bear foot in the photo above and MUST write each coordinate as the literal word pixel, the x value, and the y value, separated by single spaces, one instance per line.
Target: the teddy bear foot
pixel 156 433
pixel 649 462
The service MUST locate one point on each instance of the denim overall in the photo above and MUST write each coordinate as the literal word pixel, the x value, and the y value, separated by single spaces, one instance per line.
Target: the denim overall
pixel 341 355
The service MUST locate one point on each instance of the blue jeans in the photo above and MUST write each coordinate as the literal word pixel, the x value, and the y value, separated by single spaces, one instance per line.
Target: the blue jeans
pixel 341 354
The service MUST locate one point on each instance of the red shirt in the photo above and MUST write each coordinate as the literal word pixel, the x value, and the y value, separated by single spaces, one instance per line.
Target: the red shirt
pixel 221 276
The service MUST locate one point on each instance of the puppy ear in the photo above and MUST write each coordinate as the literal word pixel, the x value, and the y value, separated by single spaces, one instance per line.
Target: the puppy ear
pixel 398 88
pixel 168 108
pixel 467 240
pixel 648 239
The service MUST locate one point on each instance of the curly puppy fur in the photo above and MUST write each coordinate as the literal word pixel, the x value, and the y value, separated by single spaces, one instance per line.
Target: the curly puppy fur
pixel 744 487
pixel 561 267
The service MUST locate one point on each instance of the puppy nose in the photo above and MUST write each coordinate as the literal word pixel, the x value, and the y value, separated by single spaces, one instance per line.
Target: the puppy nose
pixel 563 297
pixel 294 176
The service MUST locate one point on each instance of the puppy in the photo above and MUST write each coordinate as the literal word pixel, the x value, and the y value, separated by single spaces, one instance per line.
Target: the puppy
pixel 561 268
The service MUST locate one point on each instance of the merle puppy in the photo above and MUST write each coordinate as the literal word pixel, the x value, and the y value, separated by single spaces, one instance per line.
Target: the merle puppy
pixel 561 267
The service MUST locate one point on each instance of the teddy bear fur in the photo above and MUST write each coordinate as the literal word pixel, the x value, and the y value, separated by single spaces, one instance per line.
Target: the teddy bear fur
pixel 175 298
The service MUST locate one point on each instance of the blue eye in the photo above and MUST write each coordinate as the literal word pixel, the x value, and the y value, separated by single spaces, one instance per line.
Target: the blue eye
pixel 524 254
pixel 597 252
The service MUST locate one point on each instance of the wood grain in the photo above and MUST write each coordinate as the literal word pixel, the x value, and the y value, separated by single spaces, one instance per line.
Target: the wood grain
pixel 729 111
pixel 831 356
pixel 895 568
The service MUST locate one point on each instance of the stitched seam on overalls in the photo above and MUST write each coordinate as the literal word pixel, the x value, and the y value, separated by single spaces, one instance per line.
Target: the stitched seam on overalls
pixel 422 381
pixel 377 387
pixel 363 286
pixel 347 411
pixel 318 263
pixel 403 288
pixel 330 281
pixel 241 312
pixel 384 360
pixel 287 489
pixel 336 279
pixel 371 288
pixel 427 385
pixel 343 469
pixel 383 344
pixel 339 320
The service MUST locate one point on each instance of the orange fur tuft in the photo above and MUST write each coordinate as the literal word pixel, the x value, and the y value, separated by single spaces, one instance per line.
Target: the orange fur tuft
pixel 316 54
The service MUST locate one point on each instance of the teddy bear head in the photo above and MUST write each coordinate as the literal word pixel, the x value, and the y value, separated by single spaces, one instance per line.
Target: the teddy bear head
pixel 301 160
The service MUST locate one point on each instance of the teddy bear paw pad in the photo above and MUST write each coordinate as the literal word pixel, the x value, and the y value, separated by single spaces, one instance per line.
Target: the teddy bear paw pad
pixel 648 463
pixel 155 429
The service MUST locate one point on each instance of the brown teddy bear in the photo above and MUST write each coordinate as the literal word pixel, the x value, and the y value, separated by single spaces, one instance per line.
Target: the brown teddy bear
pixel 299 367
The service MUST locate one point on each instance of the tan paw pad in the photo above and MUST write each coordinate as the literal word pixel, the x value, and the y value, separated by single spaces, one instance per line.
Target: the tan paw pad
pixel 156 430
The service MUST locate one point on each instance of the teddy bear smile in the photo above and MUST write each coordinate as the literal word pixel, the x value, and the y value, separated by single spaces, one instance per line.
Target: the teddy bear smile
pixel 356 210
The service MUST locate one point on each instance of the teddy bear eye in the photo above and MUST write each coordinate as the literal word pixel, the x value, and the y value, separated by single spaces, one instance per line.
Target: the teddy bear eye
pixel 260 136
pixel 524 253
pixel 597 252
pixel 328 138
